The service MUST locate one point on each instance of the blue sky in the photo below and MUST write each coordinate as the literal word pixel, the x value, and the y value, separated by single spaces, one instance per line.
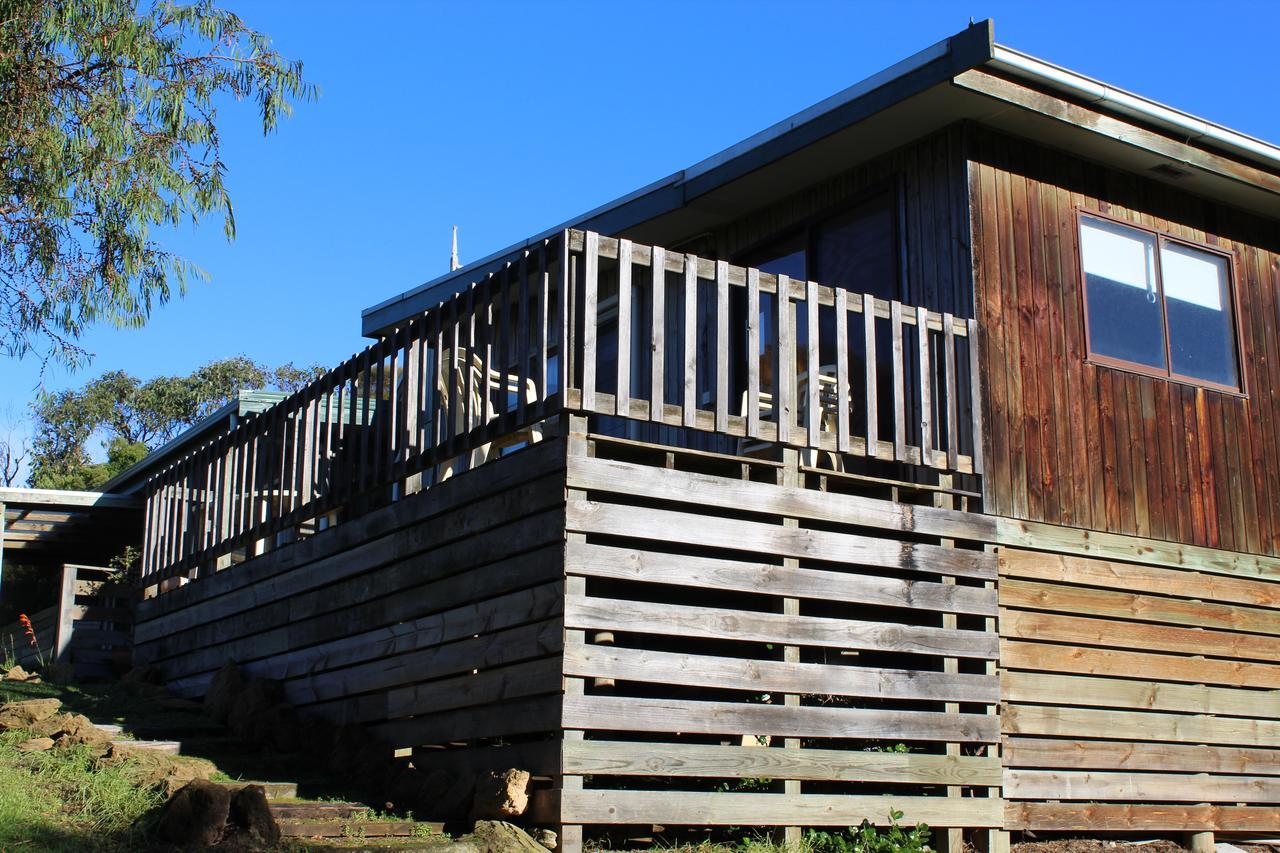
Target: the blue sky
pixel 507 118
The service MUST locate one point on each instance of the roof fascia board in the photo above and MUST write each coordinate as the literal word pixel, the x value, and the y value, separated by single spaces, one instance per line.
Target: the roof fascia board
pixel 935 64
pixel 1187 127
pixel 57 497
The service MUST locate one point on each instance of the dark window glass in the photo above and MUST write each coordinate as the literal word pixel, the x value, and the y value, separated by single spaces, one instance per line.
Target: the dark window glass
pixel 856 250
pixel 1198 302
pixel 1126 319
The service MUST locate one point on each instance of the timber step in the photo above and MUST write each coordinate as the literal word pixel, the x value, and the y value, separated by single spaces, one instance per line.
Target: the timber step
pixel 304 810
pixel 167 747
pixel 273 790
pixel 359 829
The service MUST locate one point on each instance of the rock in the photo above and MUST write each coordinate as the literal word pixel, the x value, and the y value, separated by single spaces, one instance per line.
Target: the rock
pixel 226 685
pixel 501 794
pixel 252 816
pixel 25 714
pixel 257 696
pixel 145 674
pixel 36 744
pixel 196 815
pixel 547 838
pixel 77 729
pixel 496 836
pixel 151 769
pixel 157 692
pixel 174 703
pixel 16 673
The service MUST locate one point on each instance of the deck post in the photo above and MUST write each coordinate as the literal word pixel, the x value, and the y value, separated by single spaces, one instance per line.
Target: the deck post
pixel 569 836
pixel 789 476
pixel 1200 842
pixel 949 839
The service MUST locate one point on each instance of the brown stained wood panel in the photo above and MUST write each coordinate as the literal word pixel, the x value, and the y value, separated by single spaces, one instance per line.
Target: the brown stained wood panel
pixel 1072 442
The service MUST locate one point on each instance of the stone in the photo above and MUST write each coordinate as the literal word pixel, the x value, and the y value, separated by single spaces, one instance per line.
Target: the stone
pixel 196 815
pixel 151 769
pixel 277 727
pixel 25 714
pixel 145 674
pixel 251 815
pixel 226 685
pixel 547 838
pixel 36 744
pixel 79 730
pixel 256 697
pixel 496 836
pixel 16 673
pixel 501 794
pixel 174 703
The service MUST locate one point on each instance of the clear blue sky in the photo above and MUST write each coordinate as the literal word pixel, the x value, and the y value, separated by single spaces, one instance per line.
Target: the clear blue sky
pixel 507 118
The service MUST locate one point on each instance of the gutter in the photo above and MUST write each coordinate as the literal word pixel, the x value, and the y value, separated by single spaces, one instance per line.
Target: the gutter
pixel 1184 126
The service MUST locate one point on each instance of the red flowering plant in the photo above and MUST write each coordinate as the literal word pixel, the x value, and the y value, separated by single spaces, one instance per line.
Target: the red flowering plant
pixel 29 630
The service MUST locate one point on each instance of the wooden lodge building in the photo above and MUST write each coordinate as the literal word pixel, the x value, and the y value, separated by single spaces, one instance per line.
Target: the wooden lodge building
pixel 921 452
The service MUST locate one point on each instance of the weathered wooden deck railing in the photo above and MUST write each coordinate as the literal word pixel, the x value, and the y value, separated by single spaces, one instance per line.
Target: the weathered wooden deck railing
pixel 478 373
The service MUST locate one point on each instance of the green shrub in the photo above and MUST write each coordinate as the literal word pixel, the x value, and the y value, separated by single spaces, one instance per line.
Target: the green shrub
pixel 869 838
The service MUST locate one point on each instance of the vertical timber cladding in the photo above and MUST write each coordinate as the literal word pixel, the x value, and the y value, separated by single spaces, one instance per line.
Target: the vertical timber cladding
pixel 1074 443
pixel 693 711
pixel 436 620
pixel 1139 697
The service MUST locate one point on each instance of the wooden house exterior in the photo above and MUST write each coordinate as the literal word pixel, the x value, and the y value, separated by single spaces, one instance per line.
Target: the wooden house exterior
pixel 858 509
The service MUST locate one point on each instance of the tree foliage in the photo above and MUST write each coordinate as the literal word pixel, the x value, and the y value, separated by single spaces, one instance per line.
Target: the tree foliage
pixel 133 417
pixel 108 132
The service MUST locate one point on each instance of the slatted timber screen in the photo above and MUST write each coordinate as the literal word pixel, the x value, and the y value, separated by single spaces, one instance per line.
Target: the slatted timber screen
pixel 433 621
pixel 1139 697
pixel 748 652
pixel 831 370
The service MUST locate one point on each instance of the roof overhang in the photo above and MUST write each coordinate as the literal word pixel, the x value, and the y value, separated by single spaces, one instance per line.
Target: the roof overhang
pixel 47 525
pixel 964 77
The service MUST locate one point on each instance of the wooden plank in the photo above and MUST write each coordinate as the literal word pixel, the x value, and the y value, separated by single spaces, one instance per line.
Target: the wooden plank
pixel 784 372
pixel 648 666
pixel 1095 817
pixel 683 760
pixel 1134 725
pixel 689 398
pixel 813 405
pixel 752 412
pixel 1139 787
pixel 1053 689
pixel 924 355
pixel 1042 627
pixel 590 283
pixel 657 335
pixel 843 426
pixel 671 715
pixel 1125 755
pixel 1044 656
pixel 739 576
pixel 720 623
pixel 712 532
pixel 1184 583
pixel 1125 605
pixel 622 400
pixel 733 809
pixel 872 372
pixel 899 385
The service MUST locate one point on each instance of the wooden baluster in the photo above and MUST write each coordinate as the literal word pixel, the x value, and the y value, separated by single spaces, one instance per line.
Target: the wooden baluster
pixel 590 283
pixel 657 335
pixel 721 361
pixel 899 385
pixel 926 387
pixel 622 400
pixel 814 402
pixel 564 361
pixel 975 394
pixel 873 372
pixel 522 340
pixel 843 442
pixel 785 372
pixel 753 353
pixel 689 397
pixel 543 344
pixel 949 365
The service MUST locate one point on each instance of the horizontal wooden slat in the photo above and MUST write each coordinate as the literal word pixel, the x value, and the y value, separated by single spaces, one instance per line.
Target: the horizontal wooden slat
pixel 613 758
pixel 704 531
pixel 613 713
pixel 725 809
pixel 718 623
pixel 1134 725
pixel 1125 605
pixel 1137 694
pixel 1097 817
pixel 1125 755
pixel 775 676
pixel 683 487
pixel 1161 667
pixel 1134 577
pixel 710 573
pixel 1139 787
pixel 1079 630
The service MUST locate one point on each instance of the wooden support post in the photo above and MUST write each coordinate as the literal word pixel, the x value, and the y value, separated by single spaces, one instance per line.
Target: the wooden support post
pixel 1200 842
pixel 569 836
pixel 997 839
pixel 66 620
pixel 789 475
pixel 2 548
pixel 950 839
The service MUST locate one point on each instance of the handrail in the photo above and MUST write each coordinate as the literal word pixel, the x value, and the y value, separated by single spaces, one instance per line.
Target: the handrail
pixel 451 386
